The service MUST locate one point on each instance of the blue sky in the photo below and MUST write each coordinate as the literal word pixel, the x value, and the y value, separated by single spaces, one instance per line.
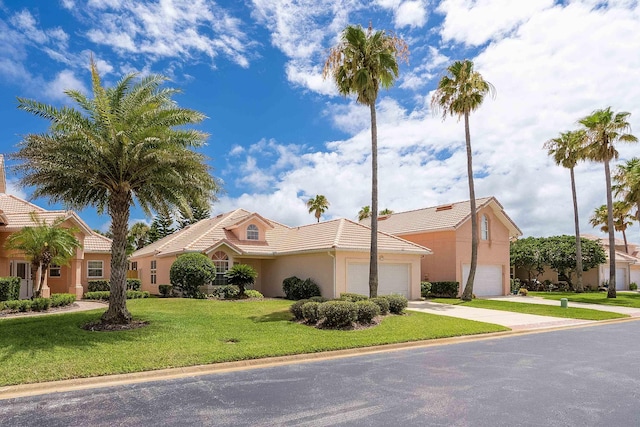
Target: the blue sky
pixel 280 134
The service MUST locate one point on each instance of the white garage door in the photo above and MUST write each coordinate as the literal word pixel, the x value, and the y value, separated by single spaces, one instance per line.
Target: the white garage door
pixel 621 278
pixel 635 276
pixel 392 279
pixel 487 282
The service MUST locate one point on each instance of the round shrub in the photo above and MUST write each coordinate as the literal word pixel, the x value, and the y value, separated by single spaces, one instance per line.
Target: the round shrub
pixel 310 312
pixel 40 304
pixel 24 305
pixel 397 303
pixel 60 300
pixel 296 309
pixel 297 289
pixel 191 271
pixel 382 303
pixel 226 292
pixel 338 314
pixel 252 293
pixel 318 299
pixel 367 311
pixel 353 297
pixel 425 289
pixel 165 290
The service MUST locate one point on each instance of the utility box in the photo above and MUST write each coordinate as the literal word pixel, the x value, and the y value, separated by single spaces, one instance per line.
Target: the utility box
pixel 564 302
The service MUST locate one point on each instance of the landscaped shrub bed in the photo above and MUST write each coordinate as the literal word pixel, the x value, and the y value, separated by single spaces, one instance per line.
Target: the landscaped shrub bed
pixel 9 288
pixel 343 313
pixel 104 295
pixel 104 285
pixel 443 290
pixel 37 304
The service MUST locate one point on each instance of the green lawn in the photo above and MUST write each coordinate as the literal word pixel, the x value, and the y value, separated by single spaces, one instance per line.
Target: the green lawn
pixel 541 310
pixel 185 332
pixel 624 299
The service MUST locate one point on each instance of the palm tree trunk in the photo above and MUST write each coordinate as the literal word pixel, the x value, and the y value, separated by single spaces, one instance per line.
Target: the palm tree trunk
pixel 373 260
pixel 624 237
pixel 117 313
pixel 467 295
pixel 612 242
pixel 35 279
pixel 579 287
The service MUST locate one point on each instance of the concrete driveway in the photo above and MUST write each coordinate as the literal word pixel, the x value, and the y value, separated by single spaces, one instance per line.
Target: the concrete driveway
pixel 514 321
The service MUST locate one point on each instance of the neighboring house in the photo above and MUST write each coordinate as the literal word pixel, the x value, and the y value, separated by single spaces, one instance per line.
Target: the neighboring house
pixel 446 230
pixel 334 254
pixel 92 261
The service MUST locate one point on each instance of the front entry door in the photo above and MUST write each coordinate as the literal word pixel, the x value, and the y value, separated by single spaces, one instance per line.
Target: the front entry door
pixel 23 271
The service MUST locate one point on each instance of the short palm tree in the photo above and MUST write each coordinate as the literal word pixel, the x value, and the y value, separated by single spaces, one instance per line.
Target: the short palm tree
pixel 386 212
pixel 622 219
pixel 318 205
pixel 42 245
pixel 127 144
pixel 364 213
pixel 459 93
pixel 627 179
pixel 362 63
pixel 604 128
pixel 138 236
pixel 567 150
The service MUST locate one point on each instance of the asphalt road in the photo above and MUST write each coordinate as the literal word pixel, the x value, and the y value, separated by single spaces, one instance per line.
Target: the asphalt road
pixel 578 377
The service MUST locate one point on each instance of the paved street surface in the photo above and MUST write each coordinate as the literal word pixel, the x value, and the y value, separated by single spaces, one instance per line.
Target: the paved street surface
pixel 577 377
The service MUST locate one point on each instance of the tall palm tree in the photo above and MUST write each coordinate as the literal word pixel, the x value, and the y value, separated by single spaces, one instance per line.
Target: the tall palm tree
pixel 567 150
pixel 627 185
pixel 127 144
pixel 622 219
pixel 365 212
pixel 604 128
pixel 361 63
pixel 318 205
pixel 459 93
pixel 42 245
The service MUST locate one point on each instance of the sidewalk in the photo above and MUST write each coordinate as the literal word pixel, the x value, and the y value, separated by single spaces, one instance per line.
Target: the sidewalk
pixel 631 311
pixel 514 321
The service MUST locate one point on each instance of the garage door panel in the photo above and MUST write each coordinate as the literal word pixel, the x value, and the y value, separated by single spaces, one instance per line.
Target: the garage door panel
pixel 621 278
pixel 392 279
pixel 487 281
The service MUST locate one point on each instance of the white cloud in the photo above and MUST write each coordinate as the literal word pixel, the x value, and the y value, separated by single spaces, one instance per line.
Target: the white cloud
pixel 411 14
pixel 27 24
pixel 14 188
pixel 65 80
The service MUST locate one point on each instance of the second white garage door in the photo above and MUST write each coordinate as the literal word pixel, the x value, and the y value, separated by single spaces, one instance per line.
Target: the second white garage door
pixel 392 279
pixel 621 278
pixel 487 282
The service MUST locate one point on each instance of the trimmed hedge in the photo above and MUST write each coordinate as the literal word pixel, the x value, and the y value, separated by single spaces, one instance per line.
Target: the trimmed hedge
pixel 444 289
pixel 252 293
pixel 40 304
pixel 397 303
pixel 425 289
pixel 105 285
pixel 382 303
pixel 296 309
pixel 310 312
pixel 295 288
pixel 60 300
pixel 367 311
pixel 353 297
pixel 9 288
pixel 104 295
pixel 338 314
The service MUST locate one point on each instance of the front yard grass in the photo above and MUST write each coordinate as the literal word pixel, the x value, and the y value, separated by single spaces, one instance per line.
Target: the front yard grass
pixel 185 332
pixel 623 299
pixel 541 310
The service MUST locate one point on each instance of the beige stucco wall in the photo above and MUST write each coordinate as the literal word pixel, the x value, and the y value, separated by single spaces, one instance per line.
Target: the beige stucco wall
pixel 317 266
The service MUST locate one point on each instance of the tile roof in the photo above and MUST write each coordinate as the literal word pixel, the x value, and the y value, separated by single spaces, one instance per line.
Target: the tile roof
pixel 341 234
pixel 96 243
pixel 443 217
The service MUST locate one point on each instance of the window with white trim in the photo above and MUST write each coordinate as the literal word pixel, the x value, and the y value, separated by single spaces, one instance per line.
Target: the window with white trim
pixel 484 228
pixel 54 270
pixel 221 261
pixel 95 269
pixel 154 270
pixel 252 232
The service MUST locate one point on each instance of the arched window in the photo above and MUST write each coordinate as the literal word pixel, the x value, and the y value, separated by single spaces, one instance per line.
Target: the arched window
pixel 221 261
pixel 252 232
pixel 484 228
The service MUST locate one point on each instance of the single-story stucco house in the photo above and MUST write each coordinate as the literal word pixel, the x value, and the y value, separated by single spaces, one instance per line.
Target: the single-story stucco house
pixel 334 254
pixel 91 261
pixel 446 230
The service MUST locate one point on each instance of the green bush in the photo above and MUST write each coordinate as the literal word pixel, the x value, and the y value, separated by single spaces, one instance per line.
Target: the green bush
pixel 137 294
pixel 40 304
pixel 444 289
pixel 13 305
pixel 367 311
pixel 296 309
pixel 97 295
pixel 9 288
pixel 425 289
pixel 242 276
pixel 165 290
pixel 226 292
pixel 252 293
pixel 134 284
pixel 397 303
pixel 353 297
pixel 633 286
pixel 297 289
pixel 382 303
pixel 318 299
pixel 191 271
pixel 61 300
pixel 338 314
pixel 98 286
pixel 310 312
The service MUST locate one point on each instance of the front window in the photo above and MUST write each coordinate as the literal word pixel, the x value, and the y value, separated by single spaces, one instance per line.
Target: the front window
pixel 134 265
pixel 54 270
pixel 484 230
pixel 95 269
pixel 252 232
pixel 153 270
pixel 221 261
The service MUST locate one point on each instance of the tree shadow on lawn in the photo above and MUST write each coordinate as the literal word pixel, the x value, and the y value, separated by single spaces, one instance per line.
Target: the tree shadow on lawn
pixel 276 316
pixel 29 335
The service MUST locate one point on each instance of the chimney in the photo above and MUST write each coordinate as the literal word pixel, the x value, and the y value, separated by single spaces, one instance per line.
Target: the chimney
pixel 3 181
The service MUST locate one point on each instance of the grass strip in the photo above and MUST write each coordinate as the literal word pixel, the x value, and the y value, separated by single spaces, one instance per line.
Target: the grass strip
pixel 623 299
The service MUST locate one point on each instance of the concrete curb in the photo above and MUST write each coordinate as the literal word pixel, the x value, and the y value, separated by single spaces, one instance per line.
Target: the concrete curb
pixel 35 389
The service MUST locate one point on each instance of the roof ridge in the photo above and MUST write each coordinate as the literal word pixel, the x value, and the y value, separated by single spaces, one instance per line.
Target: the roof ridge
pixel 441 204
pixel 222 218
pixel 341 223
